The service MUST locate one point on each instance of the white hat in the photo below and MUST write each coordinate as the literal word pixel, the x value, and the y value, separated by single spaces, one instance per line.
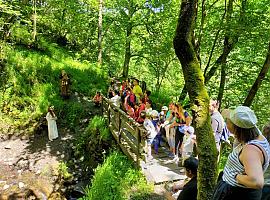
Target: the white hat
pixel 154 113
pixel 164 108
pixel 243 117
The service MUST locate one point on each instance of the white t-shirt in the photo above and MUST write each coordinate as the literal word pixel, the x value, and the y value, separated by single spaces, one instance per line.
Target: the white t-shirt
pixel 116 100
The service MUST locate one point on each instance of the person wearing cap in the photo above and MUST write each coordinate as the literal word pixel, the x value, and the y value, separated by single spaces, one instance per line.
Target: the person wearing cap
pixel 151 130
pixel 243 176
pixel 188 143
pixel 162 114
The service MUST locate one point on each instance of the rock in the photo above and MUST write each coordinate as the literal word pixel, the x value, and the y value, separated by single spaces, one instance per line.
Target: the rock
pixel 23 164
pixel 25 137
pixel 58 153
pixel 21 132
pixel 6 187
pixel 62 156
pixel 21 185
pixel 7 146
pixel 38 172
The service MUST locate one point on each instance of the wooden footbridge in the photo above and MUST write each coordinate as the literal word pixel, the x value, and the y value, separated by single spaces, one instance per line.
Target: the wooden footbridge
pixel 131 137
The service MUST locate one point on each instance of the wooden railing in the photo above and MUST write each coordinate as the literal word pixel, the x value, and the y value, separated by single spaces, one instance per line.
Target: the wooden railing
pixel 128 133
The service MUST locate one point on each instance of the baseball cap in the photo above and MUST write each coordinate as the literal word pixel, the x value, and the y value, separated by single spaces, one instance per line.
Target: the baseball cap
pixel 164 108
pixel 243 117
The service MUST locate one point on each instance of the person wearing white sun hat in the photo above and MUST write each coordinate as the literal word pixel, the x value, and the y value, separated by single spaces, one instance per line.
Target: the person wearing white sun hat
pixel 243 176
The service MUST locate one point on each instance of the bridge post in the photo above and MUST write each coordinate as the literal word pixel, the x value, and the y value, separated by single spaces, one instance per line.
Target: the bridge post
pixel 138 146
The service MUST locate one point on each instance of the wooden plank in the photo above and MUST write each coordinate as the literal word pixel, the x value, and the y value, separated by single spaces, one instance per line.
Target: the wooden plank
pixel 131 143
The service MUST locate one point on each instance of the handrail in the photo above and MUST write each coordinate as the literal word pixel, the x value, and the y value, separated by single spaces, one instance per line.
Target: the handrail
pixel 129 134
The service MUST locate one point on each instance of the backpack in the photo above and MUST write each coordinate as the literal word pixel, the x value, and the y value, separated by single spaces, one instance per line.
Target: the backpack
pixel 131 100
pixel 225 134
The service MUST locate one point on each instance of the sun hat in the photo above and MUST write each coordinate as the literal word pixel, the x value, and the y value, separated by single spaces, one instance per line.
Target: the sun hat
pixel 164 108
pixel 243 117
pixel 154 113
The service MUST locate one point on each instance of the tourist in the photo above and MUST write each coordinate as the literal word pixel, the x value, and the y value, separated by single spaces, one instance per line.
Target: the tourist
pixel 52 127
pixel 156 123
pixel 65 84
pixel 182 119
pixel 139 108
pixel 170 130
pixel 116 99
pixel 162 114
pixel 97 99
pixel 151 130
pixel 243 176
pixel 146 96
pixel 187 191
pixel 137 89
pixel 217 122
pixel 148 107
pixel 188 143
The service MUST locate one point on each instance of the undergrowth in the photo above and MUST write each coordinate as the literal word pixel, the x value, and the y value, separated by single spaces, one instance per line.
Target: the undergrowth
pixel 117 179
pixel 30 83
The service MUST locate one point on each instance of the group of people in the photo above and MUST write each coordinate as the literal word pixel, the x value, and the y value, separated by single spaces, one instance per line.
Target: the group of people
pixel 243 175
pixel 172 122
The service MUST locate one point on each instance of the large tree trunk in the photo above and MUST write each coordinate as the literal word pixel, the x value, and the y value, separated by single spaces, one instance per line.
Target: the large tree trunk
pixel 255 87
pixel 199 99
pixel 100 32
pixel 128 51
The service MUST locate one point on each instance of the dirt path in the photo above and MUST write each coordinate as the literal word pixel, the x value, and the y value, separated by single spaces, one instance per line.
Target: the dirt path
pixel 31 166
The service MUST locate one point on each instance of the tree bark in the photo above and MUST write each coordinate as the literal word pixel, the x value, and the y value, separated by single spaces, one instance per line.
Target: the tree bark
pixel 34 34
pixel 199 98
pixel 128 51
pixel 100 32
pixel 183 94
pixel 255 87
pixel 222 85
pixel 230 40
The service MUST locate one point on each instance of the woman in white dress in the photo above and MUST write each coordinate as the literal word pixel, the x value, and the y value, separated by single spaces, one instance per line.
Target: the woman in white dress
pixel 52 127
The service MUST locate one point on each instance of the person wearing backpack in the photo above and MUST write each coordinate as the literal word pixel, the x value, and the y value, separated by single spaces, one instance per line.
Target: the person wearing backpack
pixel 217 121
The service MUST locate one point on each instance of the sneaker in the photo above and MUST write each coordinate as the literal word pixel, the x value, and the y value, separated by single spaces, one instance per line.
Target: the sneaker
pixel 171 155
pixel 150 157
pixel 176 159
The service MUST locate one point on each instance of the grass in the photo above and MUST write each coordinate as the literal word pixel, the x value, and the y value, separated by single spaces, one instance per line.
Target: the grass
pixel 30 83
pixel 117 179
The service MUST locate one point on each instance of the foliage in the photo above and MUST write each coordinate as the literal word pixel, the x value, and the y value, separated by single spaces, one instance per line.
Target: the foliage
pixel 31 84
pixel 63 171
pixel 95 133
pixel 117 179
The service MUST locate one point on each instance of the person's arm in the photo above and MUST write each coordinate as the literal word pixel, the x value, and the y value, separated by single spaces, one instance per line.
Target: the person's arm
pixel 251 157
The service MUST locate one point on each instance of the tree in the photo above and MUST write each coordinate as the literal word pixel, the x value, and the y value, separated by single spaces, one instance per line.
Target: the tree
pixel 255 87
pixel 185 51
pixel 100 32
